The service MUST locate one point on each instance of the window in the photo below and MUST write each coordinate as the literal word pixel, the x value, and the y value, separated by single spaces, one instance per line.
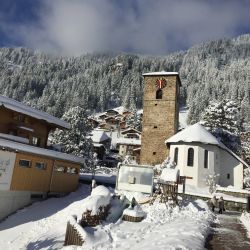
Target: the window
pixel 206 159
pixel 18 117
pixel 74 171
pixel 59 169
pixel 228 176
pixel 41 165
pixel 35 141
pixel 176 155
pixel 190 158
pixel 155 104
pixel 159 94
pixel 155 126
pixel 25 163
pixel 154 153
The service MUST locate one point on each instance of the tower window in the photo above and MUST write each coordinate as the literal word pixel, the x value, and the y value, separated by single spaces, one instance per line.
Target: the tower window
pixel 176 155
pixel 190 158
pixel 155 126
pixel 159 94
pixel 206 159
pixel 228 176
pixel 154 153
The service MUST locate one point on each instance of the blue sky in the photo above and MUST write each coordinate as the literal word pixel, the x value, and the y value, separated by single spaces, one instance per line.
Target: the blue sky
pixel 74 27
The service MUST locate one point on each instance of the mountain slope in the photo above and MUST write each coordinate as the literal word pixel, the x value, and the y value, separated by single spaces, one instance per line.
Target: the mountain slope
pixel 209 71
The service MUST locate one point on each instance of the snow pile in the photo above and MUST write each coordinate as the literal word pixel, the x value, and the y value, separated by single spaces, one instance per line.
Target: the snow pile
pixel 100 197
pixel 245 219
pixel 169 174
pixel 134 212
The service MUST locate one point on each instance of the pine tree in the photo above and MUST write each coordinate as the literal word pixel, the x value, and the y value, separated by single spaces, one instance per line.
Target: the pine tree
pixel 222 119
pixel 75 140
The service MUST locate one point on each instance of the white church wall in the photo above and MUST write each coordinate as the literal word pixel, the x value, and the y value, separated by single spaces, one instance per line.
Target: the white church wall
pixel 212 166
pixel 231 170
pixel 182 162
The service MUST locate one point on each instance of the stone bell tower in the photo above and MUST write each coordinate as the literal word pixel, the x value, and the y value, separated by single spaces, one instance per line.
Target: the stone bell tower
pixel 160 115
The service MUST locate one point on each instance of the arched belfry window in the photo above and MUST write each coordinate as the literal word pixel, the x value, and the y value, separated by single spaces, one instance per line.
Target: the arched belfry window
pixel 190 157
pixel 176 155
pixel 159 94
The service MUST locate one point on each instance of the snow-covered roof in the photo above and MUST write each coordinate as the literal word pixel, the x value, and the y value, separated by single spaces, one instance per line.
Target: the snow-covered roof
pixel 39 151
pixel 99 136
pixel 198 133
pixel 128 141
pixel 125 131
pixel 160 73
pixel 24 109
pixel 163 73
pixel 194 133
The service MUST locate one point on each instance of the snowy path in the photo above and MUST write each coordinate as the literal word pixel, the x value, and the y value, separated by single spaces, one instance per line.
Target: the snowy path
pixel 41 225
pixel 228 233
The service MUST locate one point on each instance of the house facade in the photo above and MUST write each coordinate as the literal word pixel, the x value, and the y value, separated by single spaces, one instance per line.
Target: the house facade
pixel 198 154
pixel 28 169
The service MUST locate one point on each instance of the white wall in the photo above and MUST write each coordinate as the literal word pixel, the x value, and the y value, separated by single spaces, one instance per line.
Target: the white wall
pixel 11 201
pixel 230 165
pixel 7 162
pixel 182 162
pixel 219 162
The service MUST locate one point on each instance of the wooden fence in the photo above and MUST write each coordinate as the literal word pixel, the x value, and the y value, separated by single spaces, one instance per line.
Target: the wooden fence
pixel 72 236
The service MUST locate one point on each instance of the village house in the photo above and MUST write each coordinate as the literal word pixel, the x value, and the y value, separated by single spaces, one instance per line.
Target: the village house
pixel 28 169
pixel 198 154
pixel 101 142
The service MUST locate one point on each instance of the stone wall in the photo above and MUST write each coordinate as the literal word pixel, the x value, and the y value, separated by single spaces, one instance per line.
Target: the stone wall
pixel 160 119
pixel 229 205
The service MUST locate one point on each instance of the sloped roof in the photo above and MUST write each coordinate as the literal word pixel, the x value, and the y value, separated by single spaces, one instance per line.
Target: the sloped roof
pixel 128 141
pixel 99 136
pixel 194 133
pixel 198 133
pixel 163 73
pixel 21 147
pixel 27 110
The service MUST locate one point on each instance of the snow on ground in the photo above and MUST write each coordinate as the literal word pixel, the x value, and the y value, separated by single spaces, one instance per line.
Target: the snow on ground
pixel 43 225
pixel 163 228
pixel 245 219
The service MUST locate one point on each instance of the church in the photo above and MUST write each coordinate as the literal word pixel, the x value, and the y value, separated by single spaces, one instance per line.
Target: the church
pixel 196 152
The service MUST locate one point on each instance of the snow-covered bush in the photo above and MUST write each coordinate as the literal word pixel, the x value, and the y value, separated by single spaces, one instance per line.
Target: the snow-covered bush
pixel 211 182
pixel 96 206
pixel 247 177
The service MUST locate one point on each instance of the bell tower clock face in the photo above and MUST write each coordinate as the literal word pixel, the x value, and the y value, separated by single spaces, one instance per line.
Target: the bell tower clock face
pixel 161 83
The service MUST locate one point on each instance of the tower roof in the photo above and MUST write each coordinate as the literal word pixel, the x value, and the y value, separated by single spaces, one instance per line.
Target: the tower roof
pixel 163 73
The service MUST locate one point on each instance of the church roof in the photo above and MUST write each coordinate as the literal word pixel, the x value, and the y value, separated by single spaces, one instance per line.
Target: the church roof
pixel 194 133
pixel 197 133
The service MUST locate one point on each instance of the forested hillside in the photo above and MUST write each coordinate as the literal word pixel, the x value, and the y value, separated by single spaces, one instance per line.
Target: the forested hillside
pixel 210 71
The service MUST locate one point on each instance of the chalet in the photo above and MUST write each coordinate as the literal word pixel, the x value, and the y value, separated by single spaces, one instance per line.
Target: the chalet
pixel 131 133
pixel 127 146
pixel 101 142
pixel 28 169
pixel 198 154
